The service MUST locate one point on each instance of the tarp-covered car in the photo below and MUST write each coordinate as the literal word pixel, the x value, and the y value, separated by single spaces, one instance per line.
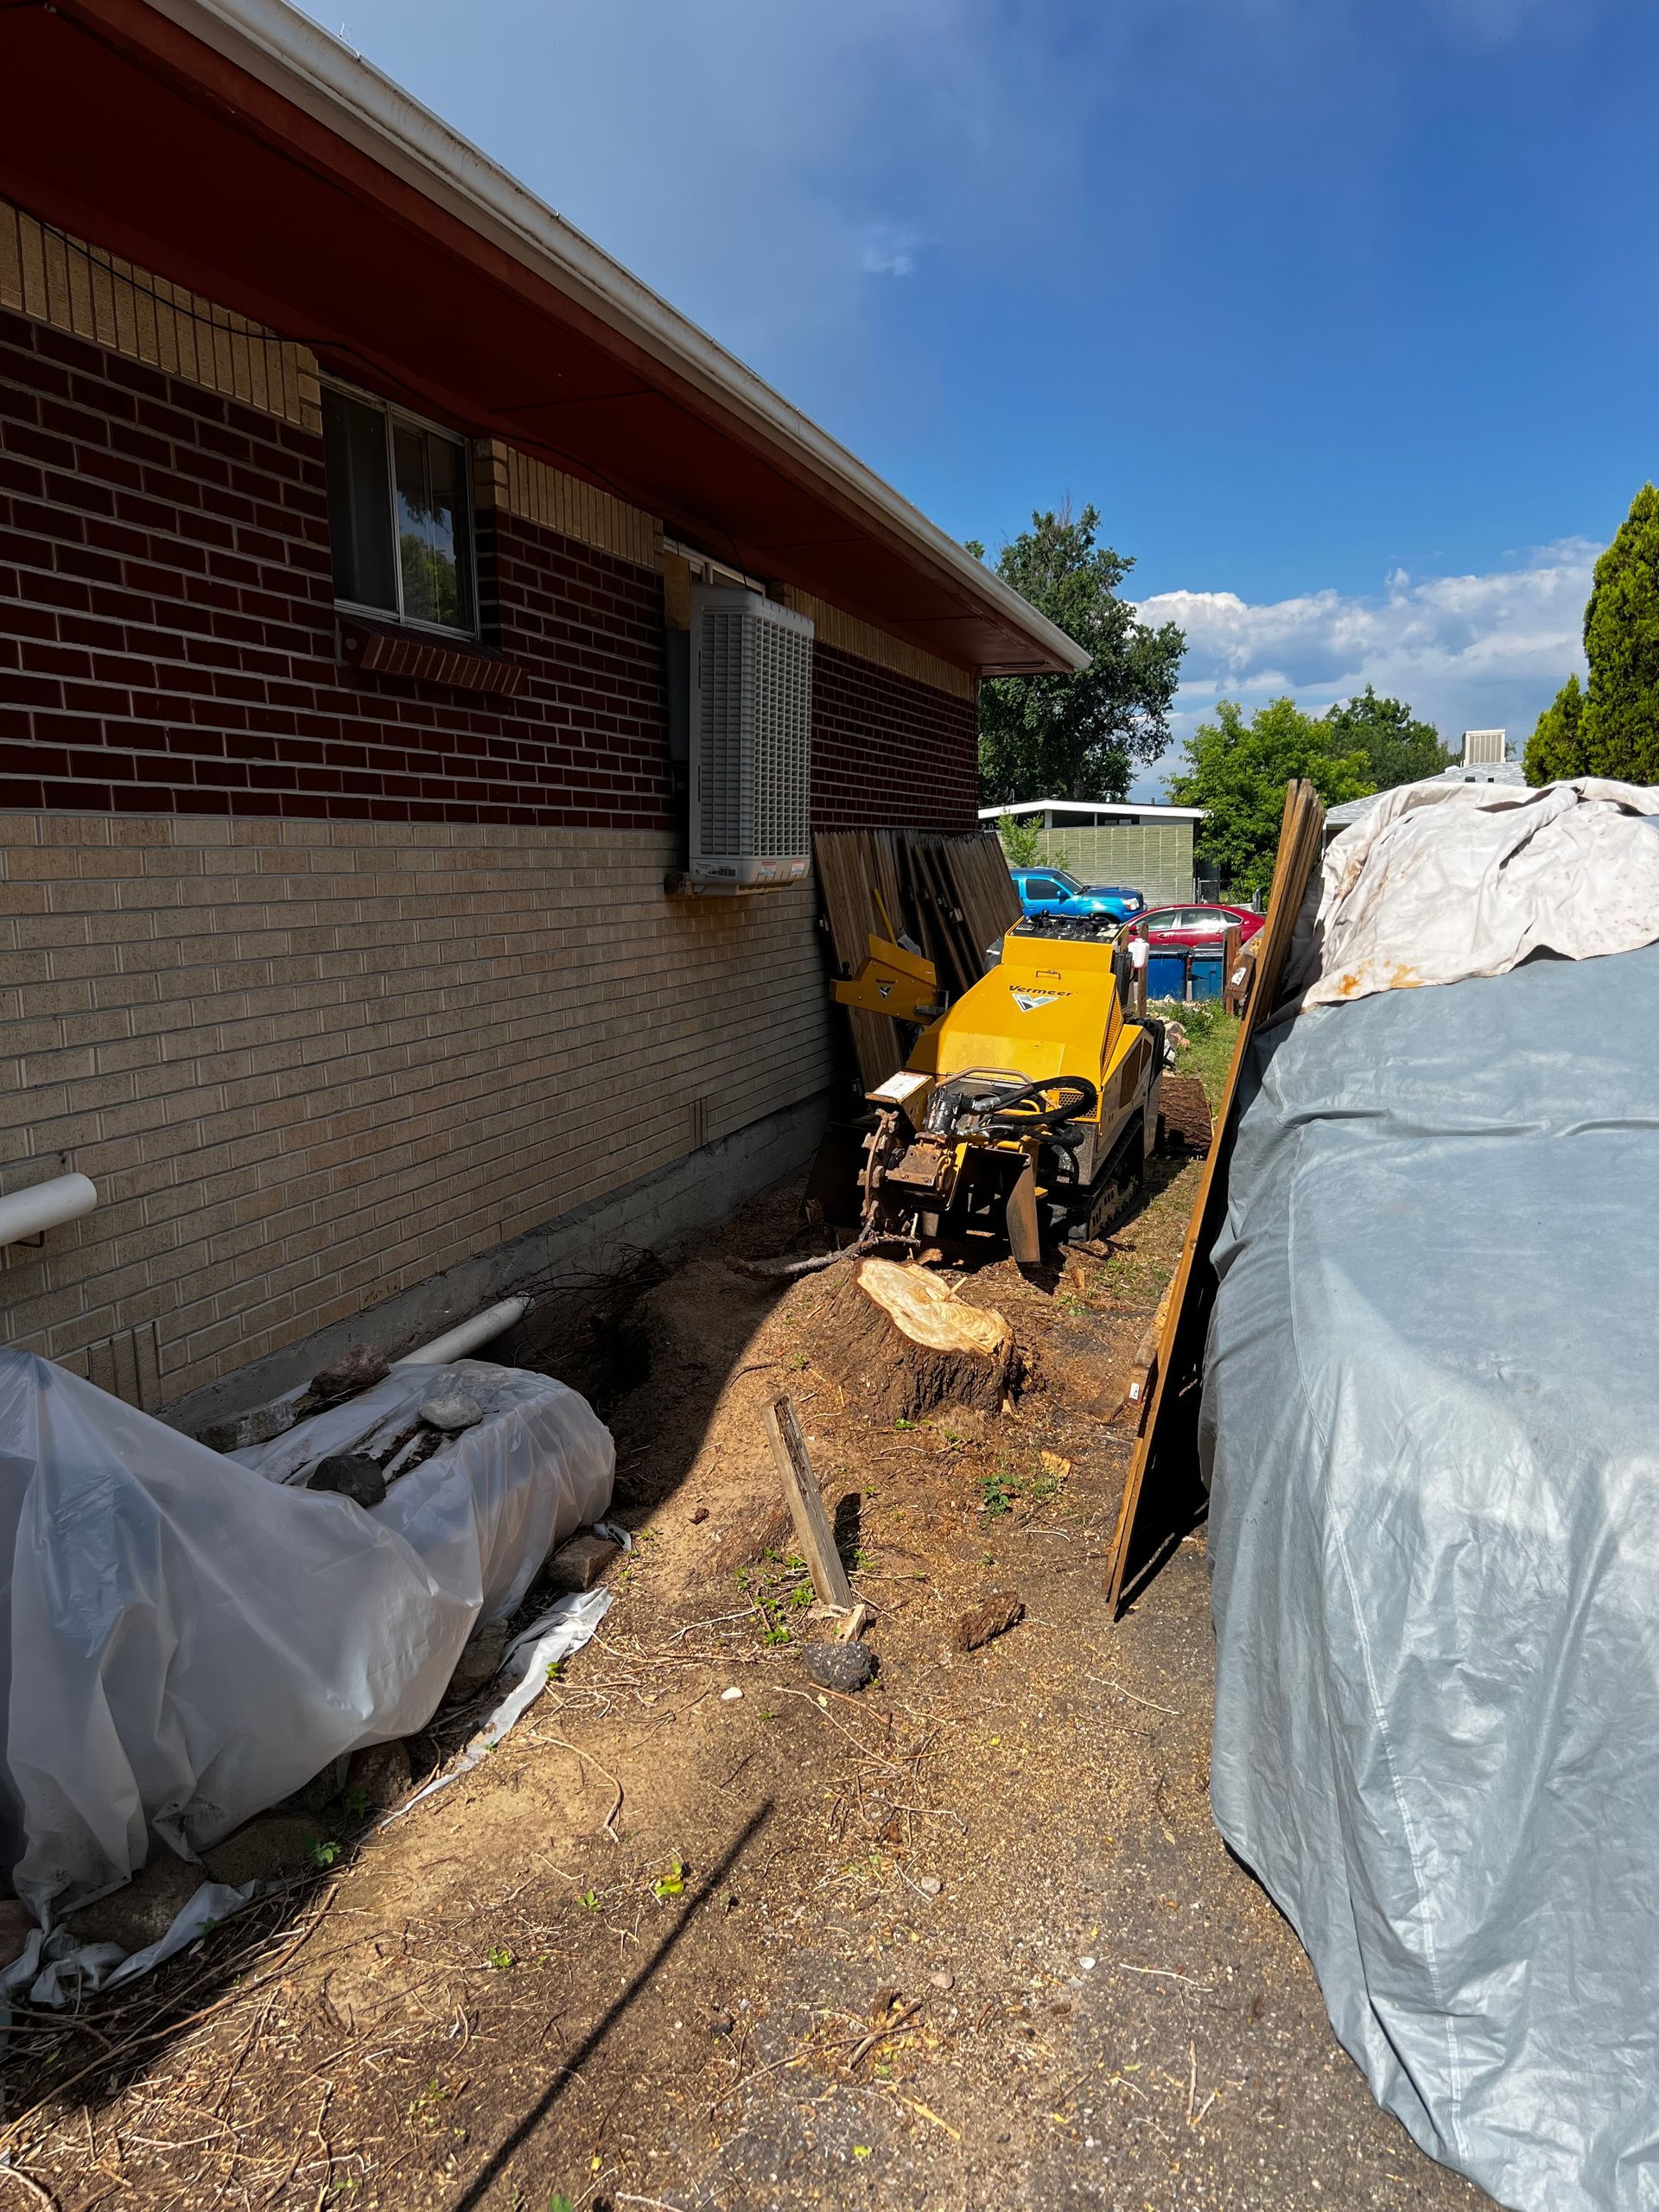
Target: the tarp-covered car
pixel 1431 1425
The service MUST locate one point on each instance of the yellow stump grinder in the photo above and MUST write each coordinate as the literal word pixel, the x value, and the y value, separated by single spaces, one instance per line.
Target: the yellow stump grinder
pixel 1025 1112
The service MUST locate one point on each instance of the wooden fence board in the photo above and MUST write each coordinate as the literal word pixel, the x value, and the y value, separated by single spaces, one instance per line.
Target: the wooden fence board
pixel 1163 1496
pixel 953 896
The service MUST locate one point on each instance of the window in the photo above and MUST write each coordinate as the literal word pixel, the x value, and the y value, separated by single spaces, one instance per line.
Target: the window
pixel 399 513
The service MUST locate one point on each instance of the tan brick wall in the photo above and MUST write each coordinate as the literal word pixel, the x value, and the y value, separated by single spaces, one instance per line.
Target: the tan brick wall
pixel 505 477
pixel 863 639
pixel 309 1065
pixel 79 289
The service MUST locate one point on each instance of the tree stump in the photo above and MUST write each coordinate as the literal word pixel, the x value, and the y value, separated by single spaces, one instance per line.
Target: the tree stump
pixel 1184 1122
pixel 896 1339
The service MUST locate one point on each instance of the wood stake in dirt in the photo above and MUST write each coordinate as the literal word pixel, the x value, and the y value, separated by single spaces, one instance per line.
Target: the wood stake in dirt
pixel 896 1339
pixel 812 1530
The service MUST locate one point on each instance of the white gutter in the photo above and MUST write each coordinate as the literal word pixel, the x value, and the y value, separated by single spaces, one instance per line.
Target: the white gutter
pixel 321 74
pixel 467 1336
pixel 46 1206
pixel 1095 806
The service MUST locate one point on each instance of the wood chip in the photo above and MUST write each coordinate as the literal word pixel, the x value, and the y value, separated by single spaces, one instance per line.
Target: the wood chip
pixel 993 1616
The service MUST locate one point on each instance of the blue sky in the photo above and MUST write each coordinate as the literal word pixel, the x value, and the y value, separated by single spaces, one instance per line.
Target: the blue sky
pixel 1345 312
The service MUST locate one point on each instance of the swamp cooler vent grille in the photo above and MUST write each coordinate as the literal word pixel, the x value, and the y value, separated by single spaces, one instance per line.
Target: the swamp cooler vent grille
pixel 751 739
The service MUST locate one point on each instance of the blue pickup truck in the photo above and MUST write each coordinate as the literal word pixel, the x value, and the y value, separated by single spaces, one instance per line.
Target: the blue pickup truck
pixel 1051 891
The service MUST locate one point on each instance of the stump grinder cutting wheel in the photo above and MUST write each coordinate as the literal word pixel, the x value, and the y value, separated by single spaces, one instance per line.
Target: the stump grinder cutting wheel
pixel 1027 1112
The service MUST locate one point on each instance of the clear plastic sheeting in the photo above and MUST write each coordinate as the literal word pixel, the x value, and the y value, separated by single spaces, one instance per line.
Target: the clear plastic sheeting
pixel 1431 1425
pixel 1440 881
pixel 187 1642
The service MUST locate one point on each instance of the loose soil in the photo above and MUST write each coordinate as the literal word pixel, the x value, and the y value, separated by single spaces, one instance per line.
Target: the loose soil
pixel 700 1935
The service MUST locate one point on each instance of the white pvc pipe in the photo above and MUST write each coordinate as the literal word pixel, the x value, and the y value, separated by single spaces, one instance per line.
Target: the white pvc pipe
pixel 467 1336
pixel 46 1206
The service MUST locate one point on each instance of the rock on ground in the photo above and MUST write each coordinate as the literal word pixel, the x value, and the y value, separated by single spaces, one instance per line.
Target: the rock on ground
pixel 479 1664
pixel 142 1913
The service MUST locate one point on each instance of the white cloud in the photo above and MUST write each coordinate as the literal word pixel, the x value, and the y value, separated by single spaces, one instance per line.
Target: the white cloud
pixel 890 250
pixel 1467 652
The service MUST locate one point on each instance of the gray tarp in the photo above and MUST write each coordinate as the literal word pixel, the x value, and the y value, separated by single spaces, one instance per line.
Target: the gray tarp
pixel 1431 1430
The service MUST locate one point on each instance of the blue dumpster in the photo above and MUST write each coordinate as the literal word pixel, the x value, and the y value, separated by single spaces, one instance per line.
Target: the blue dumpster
pixel 1205 969
pixel 1167 974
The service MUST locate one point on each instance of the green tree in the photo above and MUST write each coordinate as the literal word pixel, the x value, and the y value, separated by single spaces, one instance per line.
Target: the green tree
pixel 1238 772
pixel 1555 751
pixel 1398 748
pixel 1022 838
pixel 1076 736
pixel 1620 722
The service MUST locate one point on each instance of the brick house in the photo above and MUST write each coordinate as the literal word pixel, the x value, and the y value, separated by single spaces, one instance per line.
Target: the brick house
pixel 350 504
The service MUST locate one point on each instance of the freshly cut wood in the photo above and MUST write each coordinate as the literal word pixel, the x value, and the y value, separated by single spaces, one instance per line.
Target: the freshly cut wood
pixel 895 1339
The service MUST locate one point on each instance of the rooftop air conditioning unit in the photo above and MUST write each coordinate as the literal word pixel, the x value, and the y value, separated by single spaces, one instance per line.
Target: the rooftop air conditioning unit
pixel 751 741
pixel 1485 748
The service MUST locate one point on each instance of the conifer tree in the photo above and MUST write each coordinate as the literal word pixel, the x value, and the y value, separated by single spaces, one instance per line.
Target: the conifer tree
pixel 1555 752
pixel 1620 721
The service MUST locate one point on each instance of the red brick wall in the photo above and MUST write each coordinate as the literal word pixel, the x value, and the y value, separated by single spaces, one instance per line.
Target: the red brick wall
pixel 888 749
pixel 168 641
pixel 167 637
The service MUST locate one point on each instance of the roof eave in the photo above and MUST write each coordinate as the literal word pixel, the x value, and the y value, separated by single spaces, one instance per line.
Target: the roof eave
pixel 1094 806
pixel 306 65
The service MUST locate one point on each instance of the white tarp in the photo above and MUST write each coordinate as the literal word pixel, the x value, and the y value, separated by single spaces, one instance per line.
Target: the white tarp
pixel 186 1641
pixel 1437 882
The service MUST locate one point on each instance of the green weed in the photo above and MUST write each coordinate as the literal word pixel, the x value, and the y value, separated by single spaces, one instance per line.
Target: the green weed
pixel 997 1493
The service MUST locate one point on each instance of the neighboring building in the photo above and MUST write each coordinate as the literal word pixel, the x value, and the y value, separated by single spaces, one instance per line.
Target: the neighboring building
pixel 350 506
pixel 1148 848
pixel 1485 760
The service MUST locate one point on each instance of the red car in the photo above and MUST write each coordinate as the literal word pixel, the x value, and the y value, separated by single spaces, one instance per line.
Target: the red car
pixel 1195 928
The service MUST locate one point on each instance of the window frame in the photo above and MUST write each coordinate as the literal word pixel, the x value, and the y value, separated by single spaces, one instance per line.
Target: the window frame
pixel 390 412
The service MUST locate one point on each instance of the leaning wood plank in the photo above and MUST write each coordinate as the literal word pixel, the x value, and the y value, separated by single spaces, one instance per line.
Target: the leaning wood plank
pixel 850 906
pixel 1163 1475
pixel 1137 1391
pixel 805 1501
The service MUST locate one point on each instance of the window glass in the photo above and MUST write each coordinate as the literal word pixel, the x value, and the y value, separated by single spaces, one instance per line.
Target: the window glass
pixel 431 493
pixel 359 501
pixel 1207 919
pixel 1043 887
